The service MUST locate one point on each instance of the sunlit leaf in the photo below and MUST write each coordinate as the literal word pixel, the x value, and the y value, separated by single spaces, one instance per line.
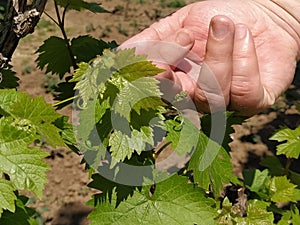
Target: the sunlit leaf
pixel 282 190
pixel 291 147
pixel 174 202
pixel 218 172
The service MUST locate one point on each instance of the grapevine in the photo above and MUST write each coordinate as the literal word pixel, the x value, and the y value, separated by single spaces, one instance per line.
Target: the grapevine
pixel 125 124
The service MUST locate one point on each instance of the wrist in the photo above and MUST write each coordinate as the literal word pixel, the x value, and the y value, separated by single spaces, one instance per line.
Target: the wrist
pixel 286 13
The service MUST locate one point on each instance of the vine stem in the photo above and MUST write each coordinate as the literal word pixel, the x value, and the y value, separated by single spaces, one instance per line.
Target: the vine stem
pixel 287 166
pixel 61 26
pixel 64 101
pixel 51 18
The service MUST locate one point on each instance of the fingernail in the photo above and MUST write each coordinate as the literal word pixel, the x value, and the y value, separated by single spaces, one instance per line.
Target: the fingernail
pixel 240 31
pixel 220 29
pixel 183 38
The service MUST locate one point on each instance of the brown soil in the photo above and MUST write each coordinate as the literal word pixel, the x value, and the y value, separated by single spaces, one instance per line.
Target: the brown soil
pixel 66 193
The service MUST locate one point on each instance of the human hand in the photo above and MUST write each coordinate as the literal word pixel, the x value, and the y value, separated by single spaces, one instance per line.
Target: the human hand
pixel 243 45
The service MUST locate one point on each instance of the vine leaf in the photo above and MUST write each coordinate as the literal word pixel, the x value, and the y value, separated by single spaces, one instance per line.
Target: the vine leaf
pixel 257 214
pixel 88 117
pixel 136 70
pixel 53 54
pixel 135 91
pixel 34 112
pixel 127 57
pixel 220 170
pixel 9 79
pixel 108 188
pixel 80 71
pixel 122 146
pixel 290 217
pixel 91 78
pixel 23 164
pixel 282 190
pixel 22 215
pixel 23 121
pixel 85 48
pixel 258 181
pixel 183 137
pixel 291 147
pixel 7 196
pixel 174 202
pixel 80 5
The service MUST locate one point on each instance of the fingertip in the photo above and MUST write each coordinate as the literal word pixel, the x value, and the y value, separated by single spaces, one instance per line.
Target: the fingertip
pixel 221 26
pixel 185 38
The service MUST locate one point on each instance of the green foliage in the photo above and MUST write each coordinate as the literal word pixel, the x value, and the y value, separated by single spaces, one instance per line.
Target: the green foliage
pixel 258 182
pixel 54 54
pixel 183 136
pixel 120 112
pixel 85 48
pixel 257 214
pixel 291 147
pixel 290 217
pixel 122 115
pixel 110 89
pixel 22 215
pixel 109 189
pixel 8 78
pixel 34 116
pixel 219 171
pixel 282 190
pixel 54 48
pixel 174 201
pixel 19 128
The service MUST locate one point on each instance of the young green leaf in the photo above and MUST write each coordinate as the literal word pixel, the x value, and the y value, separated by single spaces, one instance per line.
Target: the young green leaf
pixel 133 92
pixel 220 170
pixel 127 57
pixel 257 214
pixel 92 116
pixel 183 137
pixel 291 148
pixel 7 196
pixel 94 78
pixel 290 216
pixel 122 146
pixel 137 70
pixel 282 190
pixel 258 181
pixel 79 72
pixel 53 54
pixel 33 113
pixel 174 202
pixel 23 164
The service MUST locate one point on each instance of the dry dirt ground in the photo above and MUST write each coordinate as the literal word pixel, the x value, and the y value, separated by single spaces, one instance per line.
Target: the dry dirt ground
pixel 65 194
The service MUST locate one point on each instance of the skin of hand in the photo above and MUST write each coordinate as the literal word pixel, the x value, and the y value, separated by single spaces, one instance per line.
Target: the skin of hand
pixel 243 45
